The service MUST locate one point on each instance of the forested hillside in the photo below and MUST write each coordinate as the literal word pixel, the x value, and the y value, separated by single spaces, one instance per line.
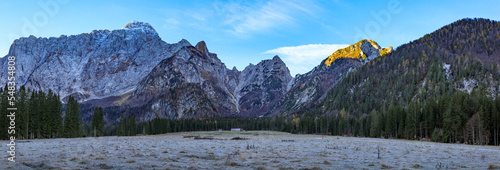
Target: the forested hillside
pixel 436 87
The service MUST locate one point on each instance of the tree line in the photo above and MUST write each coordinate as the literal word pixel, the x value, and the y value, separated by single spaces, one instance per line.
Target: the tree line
pixel 127 126
pixel 42 115
pixel 454 117
pixel 459 117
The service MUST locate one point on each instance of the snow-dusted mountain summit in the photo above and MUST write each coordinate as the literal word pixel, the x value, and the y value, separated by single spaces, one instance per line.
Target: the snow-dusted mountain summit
pixel 92 65
pixel 132 71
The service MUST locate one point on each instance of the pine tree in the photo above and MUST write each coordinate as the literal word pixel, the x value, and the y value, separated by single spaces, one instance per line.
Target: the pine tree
pixel 411 122
pixel 22 114
pixel 132 130
pixel 374 128
pixel 447 126
pixel 56 115
pixel 147 128
pixel 496 122
pixel 97 122
pixel 72 120
pixel 3 111
pixel 122 126
pixel 32 115
pixel 390 121
pixel 43 118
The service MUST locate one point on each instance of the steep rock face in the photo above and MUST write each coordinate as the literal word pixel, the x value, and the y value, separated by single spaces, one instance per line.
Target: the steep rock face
pixel 91 65
pixel 195 83
pixel 309 88
pixel 232 79
pixel 261 86
pixel 185 101
pixel 202 76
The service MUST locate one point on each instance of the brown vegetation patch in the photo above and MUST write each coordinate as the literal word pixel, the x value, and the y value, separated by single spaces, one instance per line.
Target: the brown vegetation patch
pixel 204 138
pixel 239 138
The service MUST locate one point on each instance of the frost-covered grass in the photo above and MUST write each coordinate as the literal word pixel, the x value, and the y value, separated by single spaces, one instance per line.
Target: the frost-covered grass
pixel 262 150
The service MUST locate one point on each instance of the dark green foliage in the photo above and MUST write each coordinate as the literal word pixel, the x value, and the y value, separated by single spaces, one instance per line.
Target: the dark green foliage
pixel 127 126
pixel 38 115
pixel 54 108
pixel 121 131
pixel 131 126
pixel 97 123
pixel 278 123
pixel 22 114
pixel 4 122
pixel 72 120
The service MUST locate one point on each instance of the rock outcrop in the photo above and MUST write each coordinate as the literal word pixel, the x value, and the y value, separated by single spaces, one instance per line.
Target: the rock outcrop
pixel 261 86
pixel 364 50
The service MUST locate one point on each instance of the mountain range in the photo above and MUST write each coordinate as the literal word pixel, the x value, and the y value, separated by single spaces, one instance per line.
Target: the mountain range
pixel 132 71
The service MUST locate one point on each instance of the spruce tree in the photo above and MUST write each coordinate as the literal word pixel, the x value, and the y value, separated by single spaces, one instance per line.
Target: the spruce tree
pixel 496 121
pixel 122 126
pixel 97 122
pixel 68 119
pixel 390 121
pixel 3 110
pixel 32 121
pixel 72 120
pixel 55 115
pixel 131 126
pixel 411 121
pixel 22 114
pixel 43 118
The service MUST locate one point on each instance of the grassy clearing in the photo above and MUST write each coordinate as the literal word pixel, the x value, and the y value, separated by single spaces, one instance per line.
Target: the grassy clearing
pixel 263 149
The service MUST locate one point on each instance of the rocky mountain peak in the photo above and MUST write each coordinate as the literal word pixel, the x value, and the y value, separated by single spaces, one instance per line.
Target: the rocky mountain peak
pixel 97 32
pixel 202 47
pixel 364 50
pixel 184 42
pixel 277 58
pixel 269 63
pixel 261 85
pixel 92 65
pixel 273 64
pixel 143 26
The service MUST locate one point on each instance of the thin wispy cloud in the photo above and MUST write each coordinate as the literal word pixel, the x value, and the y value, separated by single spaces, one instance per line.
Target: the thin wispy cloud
pixel 303 58
pixel 187 21
pixel 244 20
pixel 241 19
pixel 172 22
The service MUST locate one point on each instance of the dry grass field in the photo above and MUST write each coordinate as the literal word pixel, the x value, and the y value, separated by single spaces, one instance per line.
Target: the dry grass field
pixel 246 150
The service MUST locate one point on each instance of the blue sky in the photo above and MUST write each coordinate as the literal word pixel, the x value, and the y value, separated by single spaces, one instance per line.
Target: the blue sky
pixel 302 33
